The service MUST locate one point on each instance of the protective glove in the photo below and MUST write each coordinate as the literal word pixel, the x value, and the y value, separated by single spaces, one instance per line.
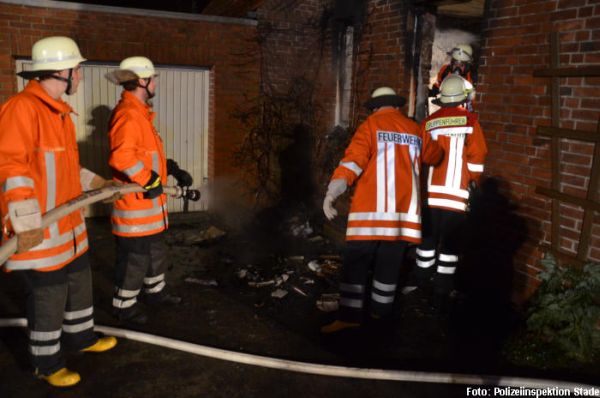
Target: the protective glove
pixel 172 166
pixel 28 239
pixel 184 179
pixel 434 91
pixel 328 209
pixel 153 187
pixel 334 190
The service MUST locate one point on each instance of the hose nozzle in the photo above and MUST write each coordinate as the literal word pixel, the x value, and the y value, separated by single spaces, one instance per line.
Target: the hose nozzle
pixel 188 194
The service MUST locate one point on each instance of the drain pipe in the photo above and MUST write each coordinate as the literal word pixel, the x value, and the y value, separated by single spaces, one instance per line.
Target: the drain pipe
pixel 9 247
pixel 560 387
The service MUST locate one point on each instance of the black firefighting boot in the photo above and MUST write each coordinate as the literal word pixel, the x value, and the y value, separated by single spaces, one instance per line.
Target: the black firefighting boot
pixel 134 314
pixel 162 298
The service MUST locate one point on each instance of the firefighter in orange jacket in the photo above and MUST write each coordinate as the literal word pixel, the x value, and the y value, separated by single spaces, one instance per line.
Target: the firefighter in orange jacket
pixel 39 170
pixel 384 159
pixel 139 219
pixel 461 65
pixel 458 132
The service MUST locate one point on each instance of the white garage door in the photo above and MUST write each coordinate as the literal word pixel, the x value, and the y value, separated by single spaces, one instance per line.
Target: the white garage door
pixel 181 106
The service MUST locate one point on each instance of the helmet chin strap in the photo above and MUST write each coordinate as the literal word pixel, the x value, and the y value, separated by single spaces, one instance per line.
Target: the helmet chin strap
pixel 150 94
pixel 68 80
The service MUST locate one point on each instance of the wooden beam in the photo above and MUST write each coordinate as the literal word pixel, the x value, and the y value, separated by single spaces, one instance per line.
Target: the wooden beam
pixel 584 71
pixel 568 133
pixel 555 147
pixel 563 197
pixel 588 215
pixel 563 257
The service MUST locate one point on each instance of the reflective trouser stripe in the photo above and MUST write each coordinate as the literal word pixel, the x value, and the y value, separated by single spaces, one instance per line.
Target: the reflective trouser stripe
pixel 79 327
pixel 425 264
pixel 353 303
pixel 425 253
pixel 70 315
pixel 382 299
pixel 127 293
pixel 448 258
pixel 154 279
pixel 118 303
pixel 38 350
pixel 353 288
pixel 156 288
pixel 446 270
pixel 384 287
pixel 44 336
pixel 425 258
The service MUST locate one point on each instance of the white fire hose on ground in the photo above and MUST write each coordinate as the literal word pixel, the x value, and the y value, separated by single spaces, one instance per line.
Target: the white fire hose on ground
pixel 90 197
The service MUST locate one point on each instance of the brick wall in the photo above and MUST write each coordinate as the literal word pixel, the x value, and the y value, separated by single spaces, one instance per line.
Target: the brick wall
pixel 297 85
pixel 512 103
pixel 381 52
pixel 226 48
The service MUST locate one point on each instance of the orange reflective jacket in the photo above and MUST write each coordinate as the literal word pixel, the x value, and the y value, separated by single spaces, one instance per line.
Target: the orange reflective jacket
pixel 458 132
pixel 446 70
pixel 385 157
pixel 39 160
pixel 136 150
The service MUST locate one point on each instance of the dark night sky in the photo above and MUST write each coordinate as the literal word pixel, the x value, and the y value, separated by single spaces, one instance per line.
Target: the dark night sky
pixel 190 6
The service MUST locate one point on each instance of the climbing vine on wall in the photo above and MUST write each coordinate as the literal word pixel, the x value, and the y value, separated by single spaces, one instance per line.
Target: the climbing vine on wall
pixel 272 124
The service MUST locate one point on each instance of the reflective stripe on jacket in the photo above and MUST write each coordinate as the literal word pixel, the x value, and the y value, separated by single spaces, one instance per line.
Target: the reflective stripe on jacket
pixel 39 159
pixel 459 133
pixel 384 158
pixel 136 150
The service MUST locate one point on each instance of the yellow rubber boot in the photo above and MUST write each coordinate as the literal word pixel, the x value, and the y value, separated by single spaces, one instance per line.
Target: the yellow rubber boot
pixel 103 344
pixel 337 326
pixel 62 378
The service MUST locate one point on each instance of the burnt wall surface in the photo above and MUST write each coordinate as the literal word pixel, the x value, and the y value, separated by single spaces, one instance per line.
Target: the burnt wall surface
pixel 227 48
pixel 512 104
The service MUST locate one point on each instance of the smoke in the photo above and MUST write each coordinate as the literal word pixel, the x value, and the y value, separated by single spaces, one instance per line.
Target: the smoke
pixel 227 201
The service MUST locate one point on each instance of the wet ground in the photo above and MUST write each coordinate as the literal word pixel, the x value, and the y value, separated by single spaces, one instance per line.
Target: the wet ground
pixel 221 309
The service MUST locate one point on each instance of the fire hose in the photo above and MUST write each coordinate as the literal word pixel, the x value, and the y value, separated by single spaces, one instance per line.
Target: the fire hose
pixel 9 247
pixel 90 197
pixel 328 370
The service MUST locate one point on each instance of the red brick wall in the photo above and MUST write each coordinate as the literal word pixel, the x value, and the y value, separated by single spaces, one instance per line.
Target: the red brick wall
pixel 297 74
pixel 294 42
pixel 381 52
pixel 512 103
pixel 111 37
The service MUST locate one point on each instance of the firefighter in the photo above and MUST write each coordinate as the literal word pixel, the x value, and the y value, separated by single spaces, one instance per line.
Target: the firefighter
pixel 383 159
pixel 139 220
pixel 461 61
pixel 449 184
pixel 39 170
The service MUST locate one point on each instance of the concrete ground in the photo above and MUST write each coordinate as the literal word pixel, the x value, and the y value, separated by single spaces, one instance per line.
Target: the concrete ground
pixel 235 316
